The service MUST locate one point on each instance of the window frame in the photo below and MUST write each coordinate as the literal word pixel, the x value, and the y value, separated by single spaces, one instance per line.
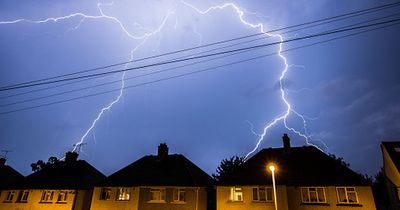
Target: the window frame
pixel 309 194
pixel 23 196
pixel 123 191
pixel 105 194
pixel 162 195
pixel 346 194
pixel 176 193
pixel 47 196
pixel 235 192
pixel 62 196
pixel 10 196
pixel 266 189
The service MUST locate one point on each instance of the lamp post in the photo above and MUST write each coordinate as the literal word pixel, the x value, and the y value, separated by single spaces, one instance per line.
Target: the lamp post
pixel 272 168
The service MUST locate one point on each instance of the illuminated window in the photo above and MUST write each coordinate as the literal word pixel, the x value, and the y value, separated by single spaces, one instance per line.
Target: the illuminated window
pixel 10 196
pixel 23 196
pixel 105 194
pixel 347 195
pixel 157 195
pixel 123 194
pixel 62 197
pixel 179 195
pixel 262 194
pixel 47 196
pixel 236 194
pixel 313 195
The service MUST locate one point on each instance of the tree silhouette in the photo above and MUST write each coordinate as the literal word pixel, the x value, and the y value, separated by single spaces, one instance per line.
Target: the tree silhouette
pixel 227 167
pixel 40 164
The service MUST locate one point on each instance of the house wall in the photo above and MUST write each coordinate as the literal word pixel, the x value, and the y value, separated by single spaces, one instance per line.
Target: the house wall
pixel 75 198
pixel 196 199
pixel 223 200
pixel 392 177
pixel 364 193
pixel 113 203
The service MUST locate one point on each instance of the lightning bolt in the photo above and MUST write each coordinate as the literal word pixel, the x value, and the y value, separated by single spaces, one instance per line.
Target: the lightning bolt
pixel 149 33
pixel 283 116
pixel 142 37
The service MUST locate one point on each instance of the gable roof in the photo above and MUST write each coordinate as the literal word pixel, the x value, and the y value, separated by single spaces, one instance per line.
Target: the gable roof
pixel 391 147
pixel 8 176
pixel 171 170
pixel 305 166
pixel 77 174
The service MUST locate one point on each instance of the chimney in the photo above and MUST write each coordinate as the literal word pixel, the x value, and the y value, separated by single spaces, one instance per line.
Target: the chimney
pixel 286 141
pixel 162 151
pixel 71 157
pixel 2 161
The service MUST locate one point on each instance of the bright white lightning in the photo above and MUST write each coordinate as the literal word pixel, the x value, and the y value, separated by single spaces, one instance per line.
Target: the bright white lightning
pixel 142 37
pixel 282 117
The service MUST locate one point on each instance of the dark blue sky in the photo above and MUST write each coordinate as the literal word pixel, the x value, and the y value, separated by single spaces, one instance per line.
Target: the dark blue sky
pixel 350 87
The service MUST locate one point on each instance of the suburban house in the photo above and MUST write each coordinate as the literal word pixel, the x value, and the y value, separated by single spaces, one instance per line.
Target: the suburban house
pixel 391 170
pixel 162 181
pixel 305 177
pixel 8 176
pixel 66 185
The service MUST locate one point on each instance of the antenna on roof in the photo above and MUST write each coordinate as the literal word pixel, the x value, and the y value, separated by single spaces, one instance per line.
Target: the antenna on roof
pixel 78 147
pixel 4 153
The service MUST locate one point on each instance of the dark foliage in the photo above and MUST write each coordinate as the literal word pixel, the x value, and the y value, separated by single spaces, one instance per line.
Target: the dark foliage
pixel 227 167
pixel 40 164
pixel 380 192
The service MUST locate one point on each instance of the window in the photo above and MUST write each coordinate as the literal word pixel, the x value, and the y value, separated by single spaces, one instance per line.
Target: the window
pixel 236 194
pixel 347 195
pixel 263 194
pixel 105 194
pixel 23 196
pixel 157 195
pixel 47 196
pixel 123 194
pixel 179 195
pixel 62 197
pixel 313 195
pixel 10 196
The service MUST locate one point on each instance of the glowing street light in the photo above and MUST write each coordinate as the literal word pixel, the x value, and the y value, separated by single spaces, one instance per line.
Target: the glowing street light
pixel 272 168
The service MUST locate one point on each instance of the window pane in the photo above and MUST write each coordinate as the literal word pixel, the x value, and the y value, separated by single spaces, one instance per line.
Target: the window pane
pixel 342 195
pixel 313 196
pixel 269 194
pixel 262 194
pixel 321 195
pixel 304 195
pixel 182 195
pixel 255 194
pixel 352 197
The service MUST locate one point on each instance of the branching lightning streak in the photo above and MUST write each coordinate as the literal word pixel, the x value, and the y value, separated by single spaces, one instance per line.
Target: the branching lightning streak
pixel 282 117
pixel 143 38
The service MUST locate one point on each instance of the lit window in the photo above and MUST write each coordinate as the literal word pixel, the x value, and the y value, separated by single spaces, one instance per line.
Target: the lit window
pixel 23 196
pixel 62 197
pixel 105 194
pixel 313 195
pixel 236 194
pixel 123 194
pixel 10 196
pixel 263 194
pixel 47 196
pixel 347 195
pixel 179 195
pixel 157 195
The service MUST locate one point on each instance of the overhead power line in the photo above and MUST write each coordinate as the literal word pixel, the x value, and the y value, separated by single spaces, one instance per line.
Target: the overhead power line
pixel 393 23
pixel 351 14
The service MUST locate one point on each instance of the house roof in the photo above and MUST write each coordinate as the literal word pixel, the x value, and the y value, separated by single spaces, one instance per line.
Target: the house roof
pixel 77 174
pixel 393 148
pixel 171 170
pixel 297 166
pixel 8 176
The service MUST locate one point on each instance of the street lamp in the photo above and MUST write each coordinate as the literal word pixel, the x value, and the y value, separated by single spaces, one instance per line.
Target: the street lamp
pixel 272 168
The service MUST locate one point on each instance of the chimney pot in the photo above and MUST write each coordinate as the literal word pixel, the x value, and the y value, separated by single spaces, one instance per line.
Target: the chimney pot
pixel 71 157
pixel 2 161
pixel 162 151
pixel 286 141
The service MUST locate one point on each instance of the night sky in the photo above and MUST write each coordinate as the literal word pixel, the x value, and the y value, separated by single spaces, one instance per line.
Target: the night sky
pixel 347 89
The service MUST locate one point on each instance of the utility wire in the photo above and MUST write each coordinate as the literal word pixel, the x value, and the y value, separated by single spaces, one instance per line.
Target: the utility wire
pixel 202 56
pixel 364 11
pixel 202 70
